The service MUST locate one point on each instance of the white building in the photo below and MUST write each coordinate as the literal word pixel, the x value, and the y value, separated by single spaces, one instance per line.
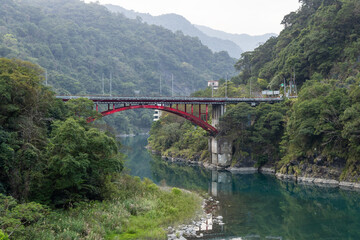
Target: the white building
pixel 214 84
pixel 270 93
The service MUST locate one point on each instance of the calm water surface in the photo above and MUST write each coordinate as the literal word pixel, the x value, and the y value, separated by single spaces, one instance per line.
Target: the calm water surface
pixel 256 206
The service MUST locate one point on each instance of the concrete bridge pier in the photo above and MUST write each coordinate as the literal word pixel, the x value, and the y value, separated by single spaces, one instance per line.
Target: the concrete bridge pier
pixel 221 183
pixel 220 148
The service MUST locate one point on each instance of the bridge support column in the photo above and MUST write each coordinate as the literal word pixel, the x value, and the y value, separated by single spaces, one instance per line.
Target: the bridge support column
pixel 221 152
pixel 220 148
pixel 217 112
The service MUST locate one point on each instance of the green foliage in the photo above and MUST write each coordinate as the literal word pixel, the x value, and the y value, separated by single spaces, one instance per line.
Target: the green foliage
pixel 72 164
pixel 14 217
pixel 314 125
pixel 80 43
pixel 78 160
pixel 3 236
pixel 176 191
pixel 175 136
pixel 82 108
pixel 26 109
pixel 138 212
pixel 255 133
pixel 321 37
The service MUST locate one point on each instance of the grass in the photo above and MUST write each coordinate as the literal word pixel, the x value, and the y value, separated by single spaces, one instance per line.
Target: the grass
pixel 138 210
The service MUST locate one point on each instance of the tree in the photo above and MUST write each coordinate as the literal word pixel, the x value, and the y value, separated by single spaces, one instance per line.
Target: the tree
pixel 25 110
pixel 79 159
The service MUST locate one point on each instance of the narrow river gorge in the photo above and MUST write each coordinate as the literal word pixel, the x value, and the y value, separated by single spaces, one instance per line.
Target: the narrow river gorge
pixel 255 206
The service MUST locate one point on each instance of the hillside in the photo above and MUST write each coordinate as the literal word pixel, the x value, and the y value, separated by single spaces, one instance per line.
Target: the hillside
pixel 320 40
pixel 79 44
pixel 315 135
pixel 246 41
pixel 176 23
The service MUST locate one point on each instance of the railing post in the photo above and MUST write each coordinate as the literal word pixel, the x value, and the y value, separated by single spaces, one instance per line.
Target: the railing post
pixel 192 109
pixel 177 106
pixel 97 107
pixel 199 111
pixel 113 106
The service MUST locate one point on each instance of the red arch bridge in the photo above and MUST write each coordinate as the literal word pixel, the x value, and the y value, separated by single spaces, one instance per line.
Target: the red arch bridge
pixel 171 104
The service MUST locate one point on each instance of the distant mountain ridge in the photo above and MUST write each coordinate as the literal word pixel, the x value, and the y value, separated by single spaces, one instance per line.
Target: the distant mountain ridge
pixel 246 41
pixel 176 23
pixel 216 40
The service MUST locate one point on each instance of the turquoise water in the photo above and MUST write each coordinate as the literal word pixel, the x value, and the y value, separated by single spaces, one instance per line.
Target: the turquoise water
pixel 256 206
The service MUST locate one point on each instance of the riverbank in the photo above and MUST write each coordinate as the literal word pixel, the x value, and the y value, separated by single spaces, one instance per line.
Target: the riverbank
pixel 137 210
pixel 319 181
pixel 204 223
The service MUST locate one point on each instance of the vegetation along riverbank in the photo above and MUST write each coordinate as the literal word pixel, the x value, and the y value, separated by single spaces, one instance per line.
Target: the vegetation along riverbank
pixel 313 136
pixel 61 177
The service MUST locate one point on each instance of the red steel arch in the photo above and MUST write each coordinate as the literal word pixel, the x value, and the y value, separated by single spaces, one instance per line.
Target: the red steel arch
pixel 212 130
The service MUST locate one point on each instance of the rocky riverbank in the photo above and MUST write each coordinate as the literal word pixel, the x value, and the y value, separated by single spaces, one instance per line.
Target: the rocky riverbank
pixel 312 174
pixel 206 223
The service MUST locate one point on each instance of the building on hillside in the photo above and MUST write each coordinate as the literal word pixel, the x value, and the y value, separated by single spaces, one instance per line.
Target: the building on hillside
pixel 213 84
pixel 270 93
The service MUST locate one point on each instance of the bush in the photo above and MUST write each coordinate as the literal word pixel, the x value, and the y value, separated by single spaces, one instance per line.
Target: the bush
pixel 14 217
pixel 3 236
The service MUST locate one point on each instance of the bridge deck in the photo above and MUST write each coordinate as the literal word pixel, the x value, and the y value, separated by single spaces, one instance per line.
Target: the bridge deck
pixel 171 100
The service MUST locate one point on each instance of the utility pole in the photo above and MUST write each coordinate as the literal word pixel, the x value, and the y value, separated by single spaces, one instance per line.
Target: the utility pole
pixel 250 87
pixel 295 82
pixel 172 85
pixel 103 85
pixel 226 80
pixel 250 80
pixel 46 78
pixel 110 83
pixel 160 84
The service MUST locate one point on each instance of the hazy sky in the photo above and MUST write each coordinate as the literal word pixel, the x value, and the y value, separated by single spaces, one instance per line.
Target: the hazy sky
pixel 253 17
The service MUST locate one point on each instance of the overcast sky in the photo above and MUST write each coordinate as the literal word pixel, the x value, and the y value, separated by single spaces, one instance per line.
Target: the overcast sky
pixel 253 17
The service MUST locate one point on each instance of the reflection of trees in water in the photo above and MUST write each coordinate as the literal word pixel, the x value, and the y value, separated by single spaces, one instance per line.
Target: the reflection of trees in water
pixel 138 158
pixel 259 204
pixel 264 206
pixel 177 175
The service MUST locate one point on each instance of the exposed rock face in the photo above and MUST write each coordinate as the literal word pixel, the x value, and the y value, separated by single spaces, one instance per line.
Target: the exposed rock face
pixel 244 162
pixel 318 167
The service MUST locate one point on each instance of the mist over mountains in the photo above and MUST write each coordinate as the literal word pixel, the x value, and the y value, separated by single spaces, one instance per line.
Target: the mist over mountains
pixel 246 41
pixel 216 40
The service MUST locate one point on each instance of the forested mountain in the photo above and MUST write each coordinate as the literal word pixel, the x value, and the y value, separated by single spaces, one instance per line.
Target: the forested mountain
pixel 320 40
pixel 246 41
pixel 176 23
pixel 58 171
pixel 314 135
pixel 80 43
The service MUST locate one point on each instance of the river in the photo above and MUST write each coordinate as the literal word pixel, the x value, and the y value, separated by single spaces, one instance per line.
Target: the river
pixel 256 206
